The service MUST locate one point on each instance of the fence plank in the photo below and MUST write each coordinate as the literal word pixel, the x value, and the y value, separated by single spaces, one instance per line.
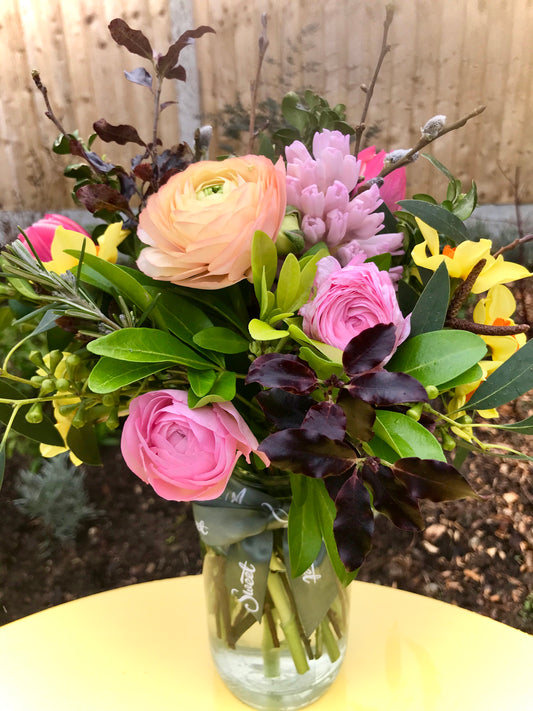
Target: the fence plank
pixel 445 58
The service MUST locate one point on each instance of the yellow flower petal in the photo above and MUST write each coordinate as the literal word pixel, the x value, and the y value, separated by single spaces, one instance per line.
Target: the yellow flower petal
pixel 67 239
pixel 109 241
pixel 498 271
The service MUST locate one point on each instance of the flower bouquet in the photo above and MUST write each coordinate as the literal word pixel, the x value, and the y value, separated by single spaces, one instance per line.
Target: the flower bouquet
pixel 283 339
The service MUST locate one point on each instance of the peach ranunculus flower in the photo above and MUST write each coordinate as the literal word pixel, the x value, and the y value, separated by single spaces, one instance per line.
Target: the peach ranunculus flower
pixel 199 226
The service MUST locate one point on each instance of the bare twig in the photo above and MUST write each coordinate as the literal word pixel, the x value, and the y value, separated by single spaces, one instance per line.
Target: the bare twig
pixel 49 111
pixel 515 243
pixel 425 140
pixel 369 91
pixel 254 85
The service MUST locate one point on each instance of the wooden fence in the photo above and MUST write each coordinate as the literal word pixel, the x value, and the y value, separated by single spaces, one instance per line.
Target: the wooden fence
pixel 447 57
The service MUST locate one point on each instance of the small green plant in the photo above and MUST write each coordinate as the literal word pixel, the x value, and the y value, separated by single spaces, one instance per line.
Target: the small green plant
pixel 57 496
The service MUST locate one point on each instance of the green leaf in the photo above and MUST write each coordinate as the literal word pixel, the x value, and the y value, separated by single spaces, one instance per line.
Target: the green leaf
pixel 223 340
pixel 201 381
pixel 437 357
pixel 512 379
pixel 110 374
pixel 439 166
pixel 184 319
pixel 471 375
pixel 465 205
pixel 325 513
pixel 437 217
pixel 524 427
pixel 406 437
pixel 322 366
pixel 146 345
pixel 382 261
pixel 44 431
pixel 304 535
pixel 264 256
pixel 293 112
pixel 261 331
pixel 222 391
pixel 429 313
pixel 334 354
pixel 288 284
pixel 118 281
pixel 84 444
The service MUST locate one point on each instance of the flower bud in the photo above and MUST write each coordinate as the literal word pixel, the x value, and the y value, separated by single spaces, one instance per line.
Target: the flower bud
pixel 79 419
pixel 432 391
pixel 66 410
pixel 448 442
pixel 112 421
pixel 35 414
pixel 54 359
pixel 47 386
pixel 415 411
pixel 37 359
pixel 290 238
pixel 398 155
pixel 108 400
pixel 36 380
pixel 433 127
pixel 62 385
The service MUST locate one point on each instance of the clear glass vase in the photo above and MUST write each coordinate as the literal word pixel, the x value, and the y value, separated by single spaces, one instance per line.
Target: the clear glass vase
pixel 278 642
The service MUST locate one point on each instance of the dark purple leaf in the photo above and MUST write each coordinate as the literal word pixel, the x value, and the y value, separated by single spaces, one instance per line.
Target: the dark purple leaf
pixel 134 40
pixel 284 409
pixel 144 172
pixel 168 61
pixel 431 479
pixel 139 76
pixel 101 197
pixel 391 498
pixel 326 418
pixel 306 452
pixel 368 349
pixel 177 73
pixel 353 527
pixel 383 388
pixel 285 371
pixel 334 484
pixel 360 416
pixel 122 134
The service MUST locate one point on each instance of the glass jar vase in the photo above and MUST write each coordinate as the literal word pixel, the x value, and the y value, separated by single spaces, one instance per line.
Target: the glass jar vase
pixel 277 641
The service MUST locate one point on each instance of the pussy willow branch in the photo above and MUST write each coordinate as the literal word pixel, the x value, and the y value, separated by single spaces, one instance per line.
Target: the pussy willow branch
pixel 254 85
pixel 369 91
pixel 481 329
pixel 464 289
pixel 425 140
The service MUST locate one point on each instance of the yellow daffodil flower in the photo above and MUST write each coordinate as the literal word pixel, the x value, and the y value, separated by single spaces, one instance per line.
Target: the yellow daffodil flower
pixel 68 239
pixel 461 259
pixel 496 310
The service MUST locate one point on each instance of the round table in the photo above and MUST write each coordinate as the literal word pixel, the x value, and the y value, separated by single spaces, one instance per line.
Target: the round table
pixel 144 648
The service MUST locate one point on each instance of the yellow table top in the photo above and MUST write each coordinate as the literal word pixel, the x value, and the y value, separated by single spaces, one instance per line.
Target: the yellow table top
pixel 144 648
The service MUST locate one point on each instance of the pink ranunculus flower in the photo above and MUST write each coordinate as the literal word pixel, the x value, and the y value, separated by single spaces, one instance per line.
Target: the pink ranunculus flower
pixel 348 300
pixel 393 188
pixel 184 454
pixel 199 226
pixel 321 187
pixel 41 233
